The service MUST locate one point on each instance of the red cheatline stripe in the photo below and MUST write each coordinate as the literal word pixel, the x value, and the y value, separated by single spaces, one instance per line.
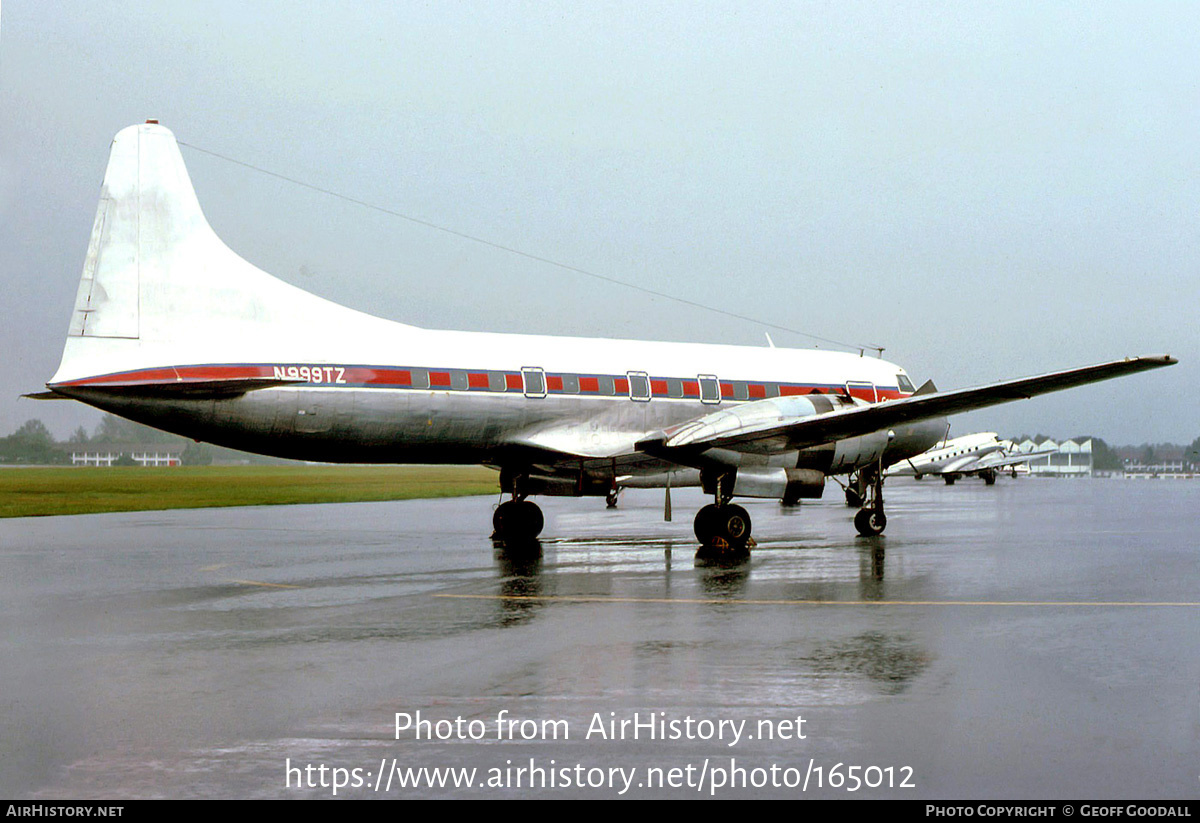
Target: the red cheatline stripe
pixel 381 376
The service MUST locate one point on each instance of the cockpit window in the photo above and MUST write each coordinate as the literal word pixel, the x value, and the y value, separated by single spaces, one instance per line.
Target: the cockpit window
pixel 904 383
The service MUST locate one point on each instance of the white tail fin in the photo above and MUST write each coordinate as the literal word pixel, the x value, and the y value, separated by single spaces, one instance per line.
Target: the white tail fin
pixel 160 287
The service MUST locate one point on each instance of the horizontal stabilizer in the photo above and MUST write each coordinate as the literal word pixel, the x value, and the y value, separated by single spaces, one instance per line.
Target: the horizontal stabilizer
pixel 179 389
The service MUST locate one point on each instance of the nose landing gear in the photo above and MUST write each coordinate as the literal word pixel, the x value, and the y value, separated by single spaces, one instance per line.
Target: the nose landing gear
pixel 870 520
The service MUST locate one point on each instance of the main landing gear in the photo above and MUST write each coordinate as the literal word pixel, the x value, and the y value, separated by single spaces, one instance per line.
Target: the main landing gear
pixel 728 522
pixel 610 499
pixel 517 521
pixel 723 528
pixel 870 520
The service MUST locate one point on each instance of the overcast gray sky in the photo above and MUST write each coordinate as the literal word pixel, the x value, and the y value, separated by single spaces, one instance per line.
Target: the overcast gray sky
pixel 989 191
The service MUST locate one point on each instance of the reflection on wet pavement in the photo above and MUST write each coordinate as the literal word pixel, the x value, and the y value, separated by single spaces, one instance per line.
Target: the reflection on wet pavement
pixel 990 630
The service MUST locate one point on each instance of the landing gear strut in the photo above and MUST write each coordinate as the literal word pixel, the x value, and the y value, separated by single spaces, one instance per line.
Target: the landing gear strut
pixel 870 520
pixel 610 499
pixel 856 489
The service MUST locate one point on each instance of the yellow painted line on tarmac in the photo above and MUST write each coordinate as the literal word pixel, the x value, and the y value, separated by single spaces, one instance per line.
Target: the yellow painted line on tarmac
pixel 214 567
pixel 266 585
pixel 571 598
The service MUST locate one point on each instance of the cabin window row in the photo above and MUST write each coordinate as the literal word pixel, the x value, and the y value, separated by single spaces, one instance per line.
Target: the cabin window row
pixel 638 386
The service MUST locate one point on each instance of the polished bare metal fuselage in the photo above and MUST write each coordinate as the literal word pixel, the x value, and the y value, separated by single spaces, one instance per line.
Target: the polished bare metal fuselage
pixel 370 425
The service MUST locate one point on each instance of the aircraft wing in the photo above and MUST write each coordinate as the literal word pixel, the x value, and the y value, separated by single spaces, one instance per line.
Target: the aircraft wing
pixel 965 463
pixel 1005 459
pixel 765 425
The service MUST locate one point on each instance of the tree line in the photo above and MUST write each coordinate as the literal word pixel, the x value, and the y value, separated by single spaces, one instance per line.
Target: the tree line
pixel 33 444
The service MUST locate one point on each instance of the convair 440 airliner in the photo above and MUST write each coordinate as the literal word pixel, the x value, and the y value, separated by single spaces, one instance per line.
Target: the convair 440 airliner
pixel 981 454
pixel 171 328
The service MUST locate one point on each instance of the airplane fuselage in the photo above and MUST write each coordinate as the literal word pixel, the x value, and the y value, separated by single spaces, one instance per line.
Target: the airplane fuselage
pixel 513 391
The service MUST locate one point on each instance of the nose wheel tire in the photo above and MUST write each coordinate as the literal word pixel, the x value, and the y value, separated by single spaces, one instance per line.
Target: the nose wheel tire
pixel 870 522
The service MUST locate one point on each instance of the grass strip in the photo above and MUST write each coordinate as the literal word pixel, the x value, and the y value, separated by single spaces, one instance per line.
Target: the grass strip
pixel 37 492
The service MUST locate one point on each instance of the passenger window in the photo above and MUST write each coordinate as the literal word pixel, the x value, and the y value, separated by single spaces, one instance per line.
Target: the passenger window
pixel 674 387
pixel 535 382
pixel 639 385
pixel 710 389
pixel 496 381
pixel 420 378
pixel 741 391
pixel 458 379
pixel 571 383
pixel 605 386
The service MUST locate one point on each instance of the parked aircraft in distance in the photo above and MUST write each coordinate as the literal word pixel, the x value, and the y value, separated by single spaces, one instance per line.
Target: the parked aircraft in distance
pixel 981 454
pixel 171 328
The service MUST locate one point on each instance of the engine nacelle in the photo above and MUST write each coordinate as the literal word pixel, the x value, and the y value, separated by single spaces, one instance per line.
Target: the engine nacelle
pixel 807 484
pixel 779 484
pixel 553 486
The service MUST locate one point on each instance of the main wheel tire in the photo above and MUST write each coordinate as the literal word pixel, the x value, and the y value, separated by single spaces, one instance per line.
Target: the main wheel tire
pixel 501 518
pixel 870 522
pixel 705 524
pixel 533 519
pixel 733 524
pixel 518 520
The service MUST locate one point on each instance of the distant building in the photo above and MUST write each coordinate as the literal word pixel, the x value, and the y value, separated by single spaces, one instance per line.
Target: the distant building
pixel 1166 469
pixel 1164 461
pixel 143 454
pixel 1070 458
